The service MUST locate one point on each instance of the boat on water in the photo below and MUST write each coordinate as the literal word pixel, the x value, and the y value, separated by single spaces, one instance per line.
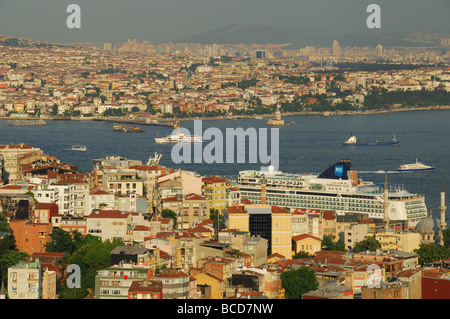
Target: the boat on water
pixel 81 148
pixel 352 141
pixel 178 137
pixel 127 129
pixel 338 188
pixel 415 167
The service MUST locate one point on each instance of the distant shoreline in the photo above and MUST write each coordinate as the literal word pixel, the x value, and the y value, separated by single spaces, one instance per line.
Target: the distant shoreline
pixel 234 117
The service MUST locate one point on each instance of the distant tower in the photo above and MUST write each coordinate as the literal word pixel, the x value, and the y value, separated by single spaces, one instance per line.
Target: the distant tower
pixel 442 208
pixel 380 50
pixel 386 201
pixel 336 48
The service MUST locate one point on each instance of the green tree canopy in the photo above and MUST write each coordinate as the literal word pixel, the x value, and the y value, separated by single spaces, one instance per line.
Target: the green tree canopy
pixel 328 243
pixel 368 243
pixel 302 254
pixel 297 282
pixel 168 213
pixel 10 259
pixel 429 253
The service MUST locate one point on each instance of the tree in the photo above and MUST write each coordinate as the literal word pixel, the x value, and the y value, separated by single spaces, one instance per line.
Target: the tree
pixel 168 213
pixel 54 111
pixel 429 253
pixel 60 241
pixel 328 243
pixel 446 235
pixel 368 243
pixel 302 254
pixel 93 256
pixel 297 282
pixel 10 259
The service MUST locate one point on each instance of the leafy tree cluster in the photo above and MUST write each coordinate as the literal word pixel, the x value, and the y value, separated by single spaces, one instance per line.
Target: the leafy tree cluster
pixel 297 282
pixel 245 84
pixel 112 70
pixel 374 67
pixel 192 68
pixel 89 252
pixel 379 98
pixel 114 112
pixel 328 243
pixel 168 213
pixel 368 243
pixel 294 79
pixel 429 253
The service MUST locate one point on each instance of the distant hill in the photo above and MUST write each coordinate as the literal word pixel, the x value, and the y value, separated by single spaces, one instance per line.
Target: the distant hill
pixel 250 33
pixel 19 42
pixel 242 33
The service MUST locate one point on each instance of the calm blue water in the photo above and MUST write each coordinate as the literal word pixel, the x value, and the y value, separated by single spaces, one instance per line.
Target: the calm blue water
pixel 310 146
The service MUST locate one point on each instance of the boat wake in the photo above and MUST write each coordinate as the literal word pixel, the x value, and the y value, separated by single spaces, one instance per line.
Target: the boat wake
pixel 378 172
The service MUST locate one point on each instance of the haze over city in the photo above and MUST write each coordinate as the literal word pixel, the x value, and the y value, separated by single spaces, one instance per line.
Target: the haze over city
pixel 160 21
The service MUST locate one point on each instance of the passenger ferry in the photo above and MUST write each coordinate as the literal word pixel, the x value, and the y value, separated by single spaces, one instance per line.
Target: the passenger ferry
pixel 179 137
pixel 337 188
pixel 81 148
pixel 416 167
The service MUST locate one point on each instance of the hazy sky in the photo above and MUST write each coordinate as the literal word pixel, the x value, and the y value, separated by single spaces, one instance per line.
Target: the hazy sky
pixel 166 20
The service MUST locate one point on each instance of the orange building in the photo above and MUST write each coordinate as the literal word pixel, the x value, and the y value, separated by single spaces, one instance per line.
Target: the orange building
pixel 30 237
pixel 43 212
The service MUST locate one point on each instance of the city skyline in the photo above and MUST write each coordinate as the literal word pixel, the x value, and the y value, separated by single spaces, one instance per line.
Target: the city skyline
pixel 160 21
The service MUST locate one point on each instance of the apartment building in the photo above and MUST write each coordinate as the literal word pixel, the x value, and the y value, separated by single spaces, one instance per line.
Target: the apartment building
pixel 270 222
pixel 216 190
pixel 30 237
pixel 115 281
pixel 109 224
pixel 175 284
pixel 28 280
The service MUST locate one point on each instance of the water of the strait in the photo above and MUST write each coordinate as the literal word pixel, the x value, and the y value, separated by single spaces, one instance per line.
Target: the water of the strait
pixel 310 146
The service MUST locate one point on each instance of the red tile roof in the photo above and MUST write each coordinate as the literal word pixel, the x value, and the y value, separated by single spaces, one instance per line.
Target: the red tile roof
pixel 304 236
pixel 214 179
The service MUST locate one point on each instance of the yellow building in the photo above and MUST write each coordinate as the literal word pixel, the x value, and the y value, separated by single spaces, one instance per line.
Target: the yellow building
pixel 49 284
pixel 270 222
pixel 215 189
pixel 404 241
pixel 307 243
pixel 213 284
pixel 19 107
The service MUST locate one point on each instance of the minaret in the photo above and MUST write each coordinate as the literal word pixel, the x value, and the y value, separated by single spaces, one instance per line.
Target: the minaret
pixel 263 190
pixel 386 202
pixel 442 208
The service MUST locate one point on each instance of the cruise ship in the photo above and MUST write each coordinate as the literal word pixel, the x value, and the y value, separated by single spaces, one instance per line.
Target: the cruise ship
pixel 337 188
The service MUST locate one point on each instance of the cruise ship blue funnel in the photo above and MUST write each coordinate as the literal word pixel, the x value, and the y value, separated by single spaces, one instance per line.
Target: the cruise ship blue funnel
pixel 338 170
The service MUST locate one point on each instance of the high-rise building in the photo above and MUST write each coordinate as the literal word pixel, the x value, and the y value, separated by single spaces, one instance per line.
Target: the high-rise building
pixel 272 223
pixel 260 54
pixel 336 48
pixel 380 50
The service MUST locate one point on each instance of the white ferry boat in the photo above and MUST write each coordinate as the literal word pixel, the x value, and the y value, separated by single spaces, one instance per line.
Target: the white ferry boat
pixel 337 189
pixel 179 137
pixel 416 167
pixel 81 148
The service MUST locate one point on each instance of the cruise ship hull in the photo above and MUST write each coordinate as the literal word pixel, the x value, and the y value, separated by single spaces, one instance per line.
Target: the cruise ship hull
pixel 336 189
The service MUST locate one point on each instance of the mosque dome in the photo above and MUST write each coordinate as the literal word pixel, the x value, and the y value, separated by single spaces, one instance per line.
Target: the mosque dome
pixel 428 225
